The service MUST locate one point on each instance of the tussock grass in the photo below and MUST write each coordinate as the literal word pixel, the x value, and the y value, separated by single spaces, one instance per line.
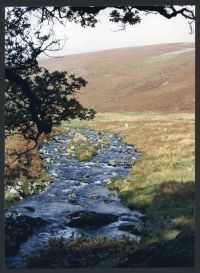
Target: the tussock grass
pixel 161 183
pixel 81 147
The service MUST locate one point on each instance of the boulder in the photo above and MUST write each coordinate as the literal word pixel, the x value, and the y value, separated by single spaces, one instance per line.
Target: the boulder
pixel 127 165
pixel 90 219
pixel 31 209
pixel 73 202
pixel 17 230
pixel 130 228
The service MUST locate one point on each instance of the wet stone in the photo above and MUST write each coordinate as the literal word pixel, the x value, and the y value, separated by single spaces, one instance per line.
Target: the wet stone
pixel 31 209
pixel 90 219
pixel 129 227
pixel 94 196
pixel 108 201
pixel 113 163
pixel 73 201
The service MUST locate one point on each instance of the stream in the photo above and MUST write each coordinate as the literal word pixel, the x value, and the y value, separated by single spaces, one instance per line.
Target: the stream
pixel 78 202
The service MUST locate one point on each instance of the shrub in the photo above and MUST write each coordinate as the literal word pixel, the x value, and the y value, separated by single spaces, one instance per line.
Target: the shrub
pixel 82 252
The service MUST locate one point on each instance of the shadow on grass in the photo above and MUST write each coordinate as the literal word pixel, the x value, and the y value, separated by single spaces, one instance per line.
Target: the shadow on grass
pixel 169 238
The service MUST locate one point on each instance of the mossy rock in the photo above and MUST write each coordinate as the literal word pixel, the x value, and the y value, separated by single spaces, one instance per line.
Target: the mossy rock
pixel 81 148
pixel 113 162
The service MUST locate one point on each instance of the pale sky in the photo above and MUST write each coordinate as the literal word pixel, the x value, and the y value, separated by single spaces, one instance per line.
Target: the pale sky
pixel 154 29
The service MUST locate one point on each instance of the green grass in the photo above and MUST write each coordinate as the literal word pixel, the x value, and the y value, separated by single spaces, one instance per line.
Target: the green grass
pixel 153 60
pixel 137 114
pixel 160 58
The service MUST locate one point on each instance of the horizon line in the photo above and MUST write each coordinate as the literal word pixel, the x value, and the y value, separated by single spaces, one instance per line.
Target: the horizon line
pixel 101 50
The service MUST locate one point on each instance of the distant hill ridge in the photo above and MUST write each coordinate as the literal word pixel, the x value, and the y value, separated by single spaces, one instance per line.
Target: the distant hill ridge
pixel 159 78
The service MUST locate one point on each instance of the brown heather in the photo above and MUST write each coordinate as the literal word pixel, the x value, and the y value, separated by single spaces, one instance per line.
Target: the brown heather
pixel 134 79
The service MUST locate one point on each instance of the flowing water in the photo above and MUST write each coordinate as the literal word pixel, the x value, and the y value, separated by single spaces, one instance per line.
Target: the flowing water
pixel 79 194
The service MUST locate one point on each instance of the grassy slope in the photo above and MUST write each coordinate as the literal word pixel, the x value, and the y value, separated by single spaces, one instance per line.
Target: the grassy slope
pixel 148 78
pixel 162 182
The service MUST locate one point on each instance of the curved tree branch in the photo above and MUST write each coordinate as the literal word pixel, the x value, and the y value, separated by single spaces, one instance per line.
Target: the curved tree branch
pixel 168 11
pixel 34 101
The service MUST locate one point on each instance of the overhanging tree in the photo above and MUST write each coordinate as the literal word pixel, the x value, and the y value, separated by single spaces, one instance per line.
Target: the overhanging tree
pixel 36 99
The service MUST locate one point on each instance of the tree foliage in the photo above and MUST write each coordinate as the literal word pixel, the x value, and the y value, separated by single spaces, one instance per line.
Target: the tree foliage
pixel 36 99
